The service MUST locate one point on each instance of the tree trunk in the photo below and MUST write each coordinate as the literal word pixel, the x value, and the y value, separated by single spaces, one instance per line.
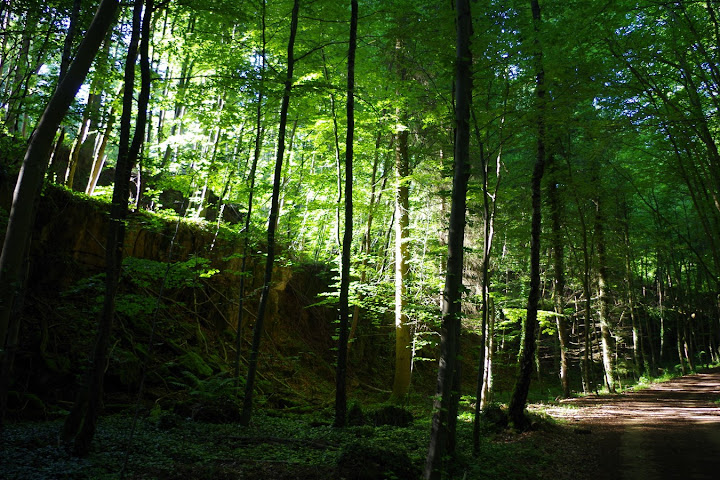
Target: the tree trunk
pixel 246 413
pixel 99 157
pixel 638 354
pixel 403 340
pixel 87 407
pixel 21 67
pixel 367 240
pixel 487 392
pixel 82 421
pixel 34 165
pixel 603 299
pixel 344 309
pixel 69 38
pixel 558 249
pixel 251 178
pixel 516 409
pixel 442 424
pixel 484 380
pixel 79 140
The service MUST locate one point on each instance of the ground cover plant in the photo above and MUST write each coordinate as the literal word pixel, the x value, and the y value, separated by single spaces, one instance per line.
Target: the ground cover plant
pixel 281 446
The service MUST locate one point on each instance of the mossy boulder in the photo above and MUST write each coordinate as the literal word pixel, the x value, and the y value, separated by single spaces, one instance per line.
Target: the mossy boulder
pixel 392 415
pixel 494 418
pixel 361 461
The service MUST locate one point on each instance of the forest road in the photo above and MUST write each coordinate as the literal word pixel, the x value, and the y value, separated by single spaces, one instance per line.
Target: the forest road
pixel 670 430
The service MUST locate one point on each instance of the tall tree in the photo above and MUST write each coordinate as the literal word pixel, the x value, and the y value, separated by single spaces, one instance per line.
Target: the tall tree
pixel 251 179
pixel 516 409
pixel 442 424
pixel 246 413
pixel 558 249
pixel 31 177
pixel 606 337
pixel 403 352
pixel 82 421
pixel 344 309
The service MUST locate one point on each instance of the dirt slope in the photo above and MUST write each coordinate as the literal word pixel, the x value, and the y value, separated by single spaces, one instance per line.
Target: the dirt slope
pixel 668 431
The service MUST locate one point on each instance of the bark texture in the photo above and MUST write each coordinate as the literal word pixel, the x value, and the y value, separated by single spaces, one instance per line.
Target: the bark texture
pixel 246 413
pixel 341 373
pixel 516 409
pixel 442 424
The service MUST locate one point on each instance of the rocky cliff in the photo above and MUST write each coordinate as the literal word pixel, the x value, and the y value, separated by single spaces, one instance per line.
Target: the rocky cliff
pixel 180 284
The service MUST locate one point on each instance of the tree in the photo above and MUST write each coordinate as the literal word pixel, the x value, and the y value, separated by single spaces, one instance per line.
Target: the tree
pixel 516 409
pixel 251 178
pixel 403 340
pixel 31 177
pixel 82 421
pixel 272 221
pixel 344 309
pixel 448 374
pixel 603 298
pixel 558 247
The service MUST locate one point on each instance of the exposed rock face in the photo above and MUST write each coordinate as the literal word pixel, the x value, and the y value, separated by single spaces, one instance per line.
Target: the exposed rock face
pixel 68 248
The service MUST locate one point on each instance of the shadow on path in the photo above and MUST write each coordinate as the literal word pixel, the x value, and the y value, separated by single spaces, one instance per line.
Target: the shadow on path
pixel 667 431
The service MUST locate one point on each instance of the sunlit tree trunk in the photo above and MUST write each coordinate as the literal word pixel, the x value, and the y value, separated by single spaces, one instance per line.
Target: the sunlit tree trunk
pixel 516 409
pixel 21 73
pixel 336 145
pixel 443 426
pixel 99 156
pixel 79 140
pixel 603 298
pixel 403 340
pixel 484 381
pixel 179 108
pixel 246 413
pixel 374 201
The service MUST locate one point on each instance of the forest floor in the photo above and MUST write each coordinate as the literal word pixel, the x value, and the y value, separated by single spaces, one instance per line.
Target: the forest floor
pixel 668 430
pixel 664 431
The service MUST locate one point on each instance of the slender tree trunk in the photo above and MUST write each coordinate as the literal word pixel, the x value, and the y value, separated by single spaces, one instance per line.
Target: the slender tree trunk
pixel 82 421
pixel 638 354
pixel 99 157
pixel 442 423
pixel 246 413
pixel 79 140
pixel 179 110
pixel 336 144
pixel 484 380
pixel 558 249
pixel 516 409
pixel 487 392
pixel 33 169
pixel 403 340
pixel 344 310
pixel 603 299
pixel 21 68
pixel 69 38
pixel 251 178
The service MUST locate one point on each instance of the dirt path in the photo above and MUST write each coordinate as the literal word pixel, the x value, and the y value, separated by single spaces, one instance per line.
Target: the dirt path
pixel 668 431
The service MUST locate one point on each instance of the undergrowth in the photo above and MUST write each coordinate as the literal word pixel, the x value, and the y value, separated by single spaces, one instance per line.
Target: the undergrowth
pixel 280 446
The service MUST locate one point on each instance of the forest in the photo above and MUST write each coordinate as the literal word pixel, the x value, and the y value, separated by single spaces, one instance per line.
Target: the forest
pixel 351 215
